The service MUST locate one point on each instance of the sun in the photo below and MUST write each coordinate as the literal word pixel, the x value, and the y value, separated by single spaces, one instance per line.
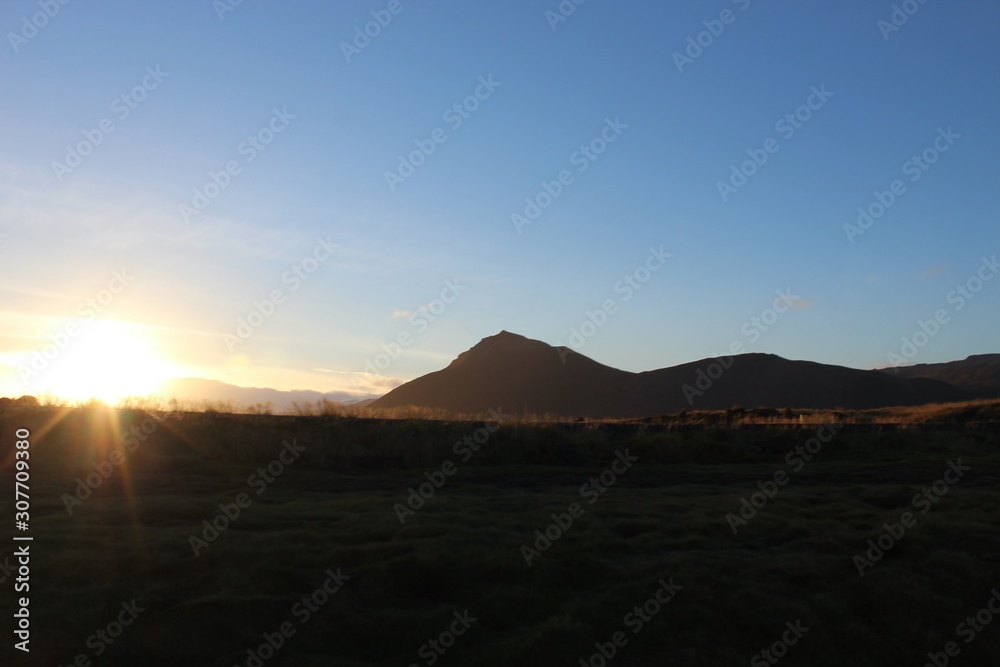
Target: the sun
pixel 109 361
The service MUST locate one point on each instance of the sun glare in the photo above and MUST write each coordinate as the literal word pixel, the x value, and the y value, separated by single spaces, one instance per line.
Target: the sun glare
pixel 110 361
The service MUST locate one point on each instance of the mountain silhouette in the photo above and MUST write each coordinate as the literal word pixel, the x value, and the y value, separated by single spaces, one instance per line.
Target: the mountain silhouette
pixel 978 374
pixel 201 389
pixel 527 376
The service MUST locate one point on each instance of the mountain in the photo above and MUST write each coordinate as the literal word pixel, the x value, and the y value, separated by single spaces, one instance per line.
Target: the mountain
pixel 979 374
pixel 518 374
pixel 199 389
pixel 528 376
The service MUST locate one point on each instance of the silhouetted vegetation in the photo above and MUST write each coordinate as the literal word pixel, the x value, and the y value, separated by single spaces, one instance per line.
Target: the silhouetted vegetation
pixel 665 517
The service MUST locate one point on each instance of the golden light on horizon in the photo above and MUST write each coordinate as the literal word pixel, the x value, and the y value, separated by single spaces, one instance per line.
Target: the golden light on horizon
pixel 111 361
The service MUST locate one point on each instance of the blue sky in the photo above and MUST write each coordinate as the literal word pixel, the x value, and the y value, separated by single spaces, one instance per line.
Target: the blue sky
pixel 329 123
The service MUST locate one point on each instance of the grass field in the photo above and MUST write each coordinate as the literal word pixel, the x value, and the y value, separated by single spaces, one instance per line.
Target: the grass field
pixel 328 512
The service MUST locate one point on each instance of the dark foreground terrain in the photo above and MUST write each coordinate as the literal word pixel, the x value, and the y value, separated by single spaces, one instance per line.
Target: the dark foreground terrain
pixel 319 569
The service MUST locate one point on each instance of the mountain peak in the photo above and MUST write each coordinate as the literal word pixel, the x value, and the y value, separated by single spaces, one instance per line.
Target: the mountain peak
pixel 505 335
pixel 504 344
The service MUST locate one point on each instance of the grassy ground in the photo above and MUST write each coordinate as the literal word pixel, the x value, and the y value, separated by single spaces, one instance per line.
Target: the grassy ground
pixel 664 518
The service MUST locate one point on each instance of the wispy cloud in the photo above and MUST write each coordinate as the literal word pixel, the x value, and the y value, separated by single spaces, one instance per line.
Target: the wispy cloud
pixel 370 383
pixel 935 270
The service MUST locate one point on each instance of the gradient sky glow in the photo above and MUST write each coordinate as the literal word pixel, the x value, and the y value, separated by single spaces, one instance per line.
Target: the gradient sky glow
pixel 63 235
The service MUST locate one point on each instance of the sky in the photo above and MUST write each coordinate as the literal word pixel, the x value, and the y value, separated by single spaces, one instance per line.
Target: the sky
pixel 344 196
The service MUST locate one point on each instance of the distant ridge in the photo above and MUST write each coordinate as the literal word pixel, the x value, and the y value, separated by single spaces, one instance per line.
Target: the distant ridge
pixel 529 376
pixel 201 389
pixel 978 374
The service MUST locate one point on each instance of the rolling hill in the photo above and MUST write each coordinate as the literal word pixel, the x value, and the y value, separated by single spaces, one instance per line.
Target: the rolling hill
pixel 528 376
pixel 196 390
pixel 979 374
